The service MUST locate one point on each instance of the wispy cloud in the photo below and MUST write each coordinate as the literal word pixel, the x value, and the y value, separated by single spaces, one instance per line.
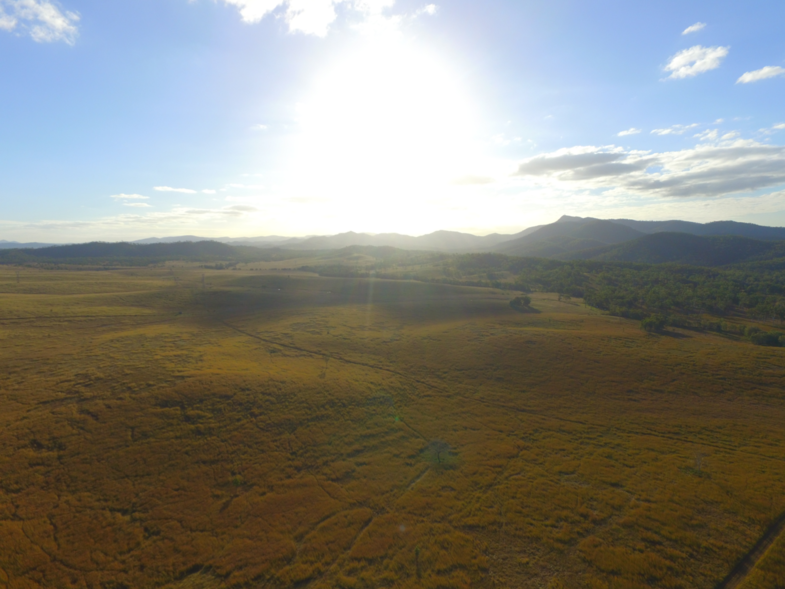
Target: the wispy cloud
pixel 770 71
pixel 708 135
pixel 208 191
pixel 129 197
pixel 674 130
pixel 711 170
pixel 43 20
pixel 259 127
pixel 137 204
pixel 135 223
pixel 773 129
pixel 694 28
pixel 170 189
pixel 695 60
pixel 632 131
pixel 502 139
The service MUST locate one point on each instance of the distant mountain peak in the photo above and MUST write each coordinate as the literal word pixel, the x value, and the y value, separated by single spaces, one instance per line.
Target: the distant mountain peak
pixel 569 219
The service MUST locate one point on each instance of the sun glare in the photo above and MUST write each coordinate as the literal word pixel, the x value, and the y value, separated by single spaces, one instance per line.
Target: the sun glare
pixel 390 120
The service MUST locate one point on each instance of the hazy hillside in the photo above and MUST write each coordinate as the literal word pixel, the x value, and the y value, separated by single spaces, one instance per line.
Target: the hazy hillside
pixel 124 250
pixel 683 248
pixel 261 241
pixel 443 241
pixel 715 228
pixel 5 245
pixel 567 235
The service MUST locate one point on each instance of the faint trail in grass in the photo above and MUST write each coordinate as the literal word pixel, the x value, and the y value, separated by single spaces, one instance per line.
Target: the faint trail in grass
pixel 319 484
pixel 630 431
pixel 344 553
pixel 505 406
pixel 745 566
pixel 418 478
pixel 333 357
pixel 367 525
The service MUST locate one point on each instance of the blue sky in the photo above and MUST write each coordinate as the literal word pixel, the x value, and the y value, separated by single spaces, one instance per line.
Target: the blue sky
pixel 128 119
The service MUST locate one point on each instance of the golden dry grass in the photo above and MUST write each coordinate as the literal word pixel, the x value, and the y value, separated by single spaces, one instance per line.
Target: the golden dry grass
pixel 271 431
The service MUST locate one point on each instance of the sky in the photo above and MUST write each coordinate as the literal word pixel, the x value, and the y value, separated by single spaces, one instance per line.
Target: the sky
pixel 128 119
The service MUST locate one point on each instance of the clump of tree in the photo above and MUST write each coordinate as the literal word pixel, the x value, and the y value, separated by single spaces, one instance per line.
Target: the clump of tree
pixel 765 338
pixel 522 304
pixel 439 451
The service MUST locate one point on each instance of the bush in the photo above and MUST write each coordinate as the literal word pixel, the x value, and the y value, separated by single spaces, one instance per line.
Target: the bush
pixel 771 338
pixel 653 323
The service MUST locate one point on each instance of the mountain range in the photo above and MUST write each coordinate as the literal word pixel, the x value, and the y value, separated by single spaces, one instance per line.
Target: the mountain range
pixel 569 238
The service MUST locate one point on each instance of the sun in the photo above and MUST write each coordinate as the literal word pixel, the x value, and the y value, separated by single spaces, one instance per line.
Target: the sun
pixel 390 120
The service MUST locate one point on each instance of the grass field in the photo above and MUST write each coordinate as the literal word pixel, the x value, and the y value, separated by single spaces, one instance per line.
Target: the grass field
pixel 277 430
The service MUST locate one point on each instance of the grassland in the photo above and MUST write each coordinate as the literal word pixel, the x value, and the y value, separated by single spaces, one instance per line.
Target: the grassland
pixel 272 429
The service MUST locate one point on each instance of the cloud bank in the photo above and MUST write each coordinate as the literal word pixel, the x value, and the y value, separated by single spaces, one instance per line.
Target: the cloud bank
pixel 695 60
pixel 705 171
pixel 43 20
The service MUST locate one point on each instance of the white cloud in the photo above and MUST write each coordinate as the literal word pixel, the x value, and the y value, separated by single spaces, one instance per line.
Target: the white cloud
pixel 729 136
pixel 695 60
pixel 136 204
pixel 43 20
pixel 312 17
pixel 7 22
pixel 430 10
pixel 208 191
pixel 259 128
pixel 632 131
pixel 129 197
pixel 694 28
pixel 170 189
pixel 770 71
pixel 710 170
pixel 674 130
